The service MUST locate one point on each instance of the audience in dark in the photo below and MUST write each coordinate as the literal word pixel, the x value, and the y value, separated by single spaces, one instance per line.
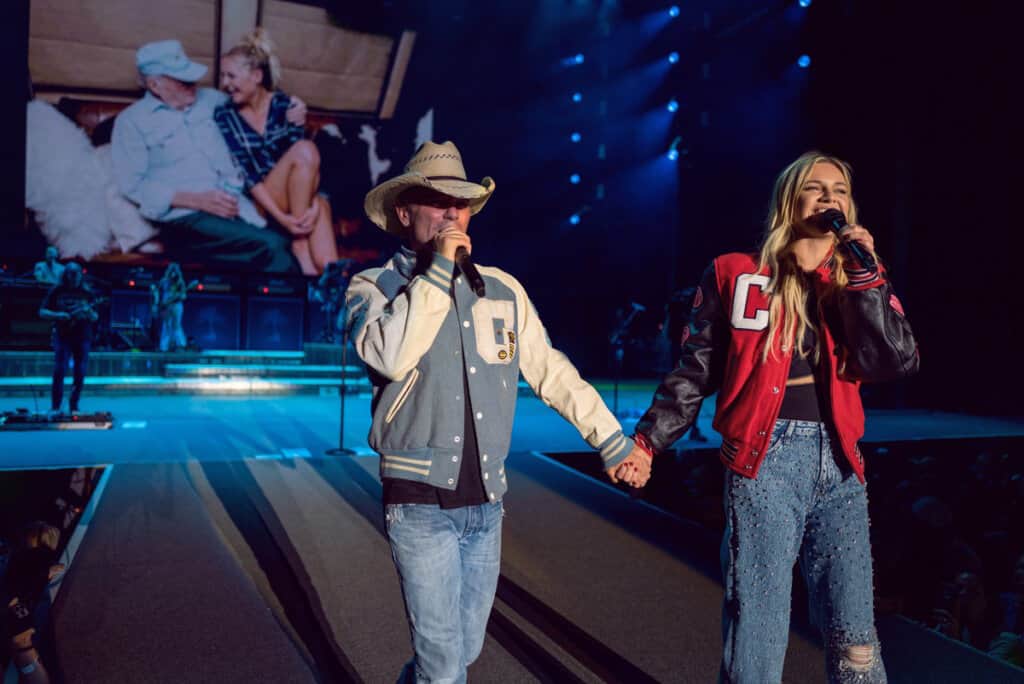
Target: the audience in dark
pixel 38 514
pixel 946 534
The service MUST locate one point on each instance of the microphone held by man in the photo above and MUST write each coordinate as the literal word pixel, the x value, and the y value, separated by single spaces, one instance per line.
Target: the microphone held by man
pixel 466 265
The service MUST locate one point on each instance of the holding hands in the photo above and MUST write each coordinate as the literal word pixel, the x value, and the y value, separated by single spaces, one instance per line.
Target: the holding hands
pixel 635 470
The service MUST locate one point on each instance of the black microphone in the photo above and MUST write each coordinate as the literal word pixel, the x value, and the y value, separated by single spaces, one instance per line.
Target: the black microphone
pixel 476 282
pixel 836 221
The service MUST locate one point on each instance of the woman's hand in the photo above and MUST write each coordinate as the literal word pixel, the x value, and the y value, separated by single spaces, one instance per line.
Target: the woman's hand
pixel 296 112
pixel 291 223
pixel 309 217
pixel 861 235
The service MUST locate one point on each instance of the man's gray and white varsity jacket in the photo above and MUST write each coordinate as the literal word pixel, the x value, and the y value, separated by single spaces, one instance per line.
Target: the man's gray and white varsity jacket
pixel 419 332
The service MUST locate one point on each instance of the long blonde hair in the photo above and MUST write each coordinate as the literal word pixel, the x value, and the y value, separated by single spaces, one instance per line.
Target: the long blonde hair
pixel 788 318
pixel 259 52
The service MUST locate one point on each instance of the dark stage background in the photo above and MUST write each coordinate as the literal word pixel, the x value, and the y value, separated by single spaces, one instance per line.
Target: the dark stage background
pixel 916 96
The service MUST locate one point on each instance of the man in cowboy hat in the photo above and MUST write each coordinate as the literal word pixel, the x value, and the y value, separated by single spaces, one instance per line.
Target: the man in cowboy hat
pixel 445 366
pixel 170 159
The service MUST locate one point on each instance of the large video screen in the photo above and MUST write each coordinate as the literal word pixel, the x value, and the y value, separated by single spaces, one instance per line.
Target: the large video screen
pixel 158 132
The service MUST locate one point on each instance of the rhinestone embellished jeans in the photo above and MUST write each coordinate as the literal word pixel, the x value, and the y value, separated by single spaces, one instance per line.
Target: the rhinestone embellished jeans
pixel 803 506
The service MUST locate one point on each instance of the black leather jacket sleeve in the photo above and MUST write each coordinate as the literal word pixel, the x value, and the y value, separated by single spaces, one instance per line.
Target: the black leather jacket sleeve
pixel 698 374
pixel 877 342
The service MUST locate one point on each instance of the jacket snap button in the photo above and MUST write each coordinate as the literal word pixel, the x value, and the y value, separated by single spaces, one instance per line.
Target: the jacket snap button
pixel 455 459
pixel 457 439
pixel 755 452
pixel 451 481
pixel 485 457
pixel 761 433
pixel 775 390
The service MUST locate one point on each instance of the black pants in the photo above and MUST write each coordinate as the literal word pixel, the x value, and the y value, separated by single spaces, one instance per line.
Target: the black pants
pixel 213 240
pixel 75 347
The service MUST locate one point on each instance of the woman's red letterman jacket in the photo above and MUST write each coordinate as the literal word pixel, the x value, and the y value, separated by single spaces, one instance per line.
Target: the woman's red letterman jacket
pixel 865 333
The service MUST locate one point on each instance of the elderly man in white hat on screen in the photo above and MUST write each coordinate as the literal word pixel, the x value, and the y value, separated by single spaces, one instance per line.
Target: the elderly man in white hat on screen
pixel 445 363
pixel 170 159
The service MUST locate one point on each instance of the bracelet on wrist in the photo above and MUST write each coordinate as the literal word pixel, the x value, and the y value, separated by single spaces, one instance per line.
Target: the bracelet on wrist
pixel 640 439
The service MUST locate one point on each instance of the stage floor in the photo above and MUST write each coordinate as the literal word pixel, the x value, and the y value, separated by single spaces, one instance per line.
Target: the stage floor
pixel 222 514
pixel 175 428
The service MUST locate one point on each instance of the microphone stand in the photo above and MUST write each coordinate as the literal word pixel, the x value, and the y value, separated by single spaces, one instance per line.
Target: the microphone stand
pixel 341 450
pixel 617 340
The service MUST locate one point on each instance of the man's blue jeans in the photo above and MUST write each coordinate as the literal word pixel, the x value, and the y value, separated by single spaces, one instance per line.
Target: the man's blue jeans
pixel 803 505
pixel 448 563
pixel 76 348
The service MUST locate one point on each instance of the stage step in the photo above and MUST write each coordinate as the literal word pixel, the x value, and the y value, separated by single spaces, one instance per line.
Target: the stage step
pixel 154 384
pixel 122 363
pixel 258 370
pixel 329 385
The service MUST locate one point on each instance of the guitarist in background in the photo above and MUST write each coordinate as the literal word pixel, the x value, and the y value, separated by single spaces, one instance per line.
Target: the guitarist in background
pixel 70 305
pixel 173 291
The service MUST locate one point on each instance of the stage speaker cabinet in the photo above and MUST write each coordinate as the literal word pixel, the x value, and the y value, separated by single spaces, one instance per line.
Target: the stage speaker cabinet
pixel 20 324
pixel 131 320
pixel 317 329
pixel 130 307
pixel 212 320
pixel 274 323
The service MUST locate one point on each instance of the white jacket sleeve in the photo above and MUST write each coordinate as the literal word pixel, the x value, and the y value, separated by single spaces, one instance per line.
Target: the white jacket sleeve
pixel 392 336
pixel 559 385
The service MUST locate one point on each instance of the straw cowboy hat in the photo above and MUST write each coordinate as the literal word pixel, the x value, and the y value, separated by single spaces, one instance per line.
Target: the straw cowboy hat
pixel 437 167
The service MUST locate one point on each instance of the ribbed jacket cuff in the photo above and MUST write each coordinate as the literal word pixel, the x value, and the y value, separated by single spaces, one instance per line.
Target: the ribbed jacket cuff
pixel 615 449
pixel 440 272
pixel 862 278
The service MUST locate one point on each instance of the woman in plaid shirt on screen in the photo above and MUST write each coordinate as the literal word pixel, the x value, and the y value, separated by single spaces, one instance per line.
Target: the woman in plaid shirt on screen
pixel 280 169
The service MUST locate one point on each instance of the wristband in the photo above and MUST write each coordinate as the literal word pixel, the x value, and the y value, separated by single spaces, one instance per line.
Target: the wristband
pixel 640 439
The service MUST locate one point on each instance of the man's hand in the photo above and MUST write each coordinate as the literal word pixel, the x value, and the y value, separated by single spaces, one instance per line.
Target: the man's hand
pixel 216 202
pixel 635 470
pixel 449 240
pixel 296 112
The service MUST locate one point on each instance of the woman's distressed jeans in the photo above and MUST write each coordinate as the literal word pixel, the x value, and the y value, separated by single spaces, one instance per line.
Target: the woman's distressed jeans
pixel 802 505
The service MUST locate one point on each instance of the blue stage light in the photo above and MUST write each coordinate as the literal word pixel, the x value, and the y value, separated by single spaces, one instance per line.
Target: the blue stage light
pixel 574 179
pixel 574 219
pixel 673 57
pixel 805 3
pixel 673 11
pixel 578 58
pixel 672 106
pixel 575 137
pixel 577 97
pixel 804 61
pixel 672 155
